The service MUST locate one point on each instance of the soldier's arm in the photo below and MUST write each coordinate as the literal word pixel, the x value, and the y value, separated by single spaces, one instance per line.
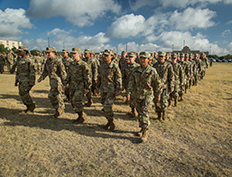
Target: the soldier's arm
pixel 32 73
pixel 62 71
pixel 118 79
pixel 156 83
pixel 44 73
pixel 87 78
pixel 94 70
pixel 171 78
pixel 181 75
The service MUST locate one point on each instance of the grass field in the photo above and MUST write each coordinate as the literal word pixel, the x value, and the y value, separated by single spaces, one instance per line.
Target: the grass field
pixel 196 140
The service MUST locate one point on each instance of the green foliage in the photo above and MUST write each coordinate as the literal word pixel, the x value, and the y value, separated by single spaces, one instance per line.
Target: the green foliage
pixel 34 51
pixel 213 56
pixel 14 49
pixel 3 49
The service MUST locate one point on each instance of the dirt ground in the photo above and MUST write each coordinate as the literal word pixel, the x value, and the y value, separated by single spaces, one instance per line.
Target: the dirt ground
pixel 196 140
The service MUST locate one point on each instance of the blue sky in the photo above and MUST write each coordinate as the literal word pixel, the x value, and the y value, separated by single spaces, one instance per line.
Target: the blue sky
pixel 141 25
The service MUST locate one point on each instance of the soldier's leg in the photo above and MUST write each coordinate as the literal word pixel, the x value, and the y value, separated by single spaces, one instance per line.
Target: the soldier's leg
pixel 108 111
pixel 89 98
pixel 55 97
pixel 77 104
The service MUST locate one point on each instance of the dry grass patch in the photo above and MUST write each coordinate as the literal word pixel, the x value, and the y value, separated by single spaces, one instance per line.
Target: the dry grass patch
pixel 196 140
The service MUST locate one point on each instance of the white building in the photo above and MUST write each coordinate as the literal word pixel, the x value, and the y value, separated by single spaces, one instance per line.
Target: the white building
pixel 11 44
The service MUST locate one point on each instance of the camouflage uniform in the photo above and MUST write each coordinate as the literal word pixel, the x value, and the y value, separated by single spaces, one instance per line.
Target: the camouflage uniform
pixel 145 83
pixel 2 63
pixel 93 67
pixel 178 80
pixel 110 83
pixel 38 61
pixel 185 68
pixel 198 69
pixel 166 75
pixel 10 61
pixel 78 78
pixel 205 65
pixel 55 69
pixel 25 76
pixel 188 72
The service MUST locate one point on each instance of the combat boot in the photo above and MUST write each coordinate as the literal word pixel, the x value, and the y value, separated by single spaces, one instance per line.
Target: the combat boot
pixel 106 126
pixel 181 98
pixel 159 115
pixel 82 117
pixel 89 103
pixel 58 112
pixel 169 103
pixel 176 102
pixel 144 135
pixel 140 133
pixel 164 116
pixel 112 124
pixel 132 113
pixel 31 107
pixel 25 111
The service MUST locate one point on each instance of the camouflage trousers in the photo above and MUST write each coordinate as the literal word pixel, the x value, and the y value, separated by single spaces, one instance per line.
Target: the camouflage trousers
pixel 133 100
pixel 2 68
pixel 77 97
pixel 175 94
pixel 203 73
pixel 144 107
pixel 163 104
pixel 89 95
pixel 107 100
pixel 24 90
pixel 196 79
pixel 55 94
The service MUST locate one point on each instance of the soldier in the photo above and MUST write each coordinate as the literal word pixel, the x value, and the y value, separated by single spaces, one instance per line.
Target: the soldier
pixel 185 72
pixel 110 83
pixel 66 62
pixel 2 63
pixel 38 61
pixel 188 72
pixel 144 82
pixel 126 74
pixel 198 68
pixel 122 59
pixel 79 81
pixel 55 69
pixel 25 78
pixel 166 74
pixel 193 70
pixel 178 79
pixel 93 67
pixel 10 61
pixel 205 64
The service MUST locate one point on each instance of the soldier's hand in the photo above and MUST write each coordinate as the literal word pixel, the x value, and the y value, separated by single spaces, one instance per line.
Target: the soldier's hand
pixel 39 80
pixel 171 91
pixel 128 98
pixel 86 90
pixel 16 84
pixel 117 94
pixel 158 100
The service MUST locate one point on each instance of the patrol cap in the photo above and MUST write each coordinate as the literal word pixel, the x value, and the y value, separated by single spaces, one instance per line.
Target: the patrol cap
pixel 144 54
pixel 197 55
pixel 92 52
pixel 87 51
pixel 127 57
pixel 76 50
pixel 124 52
pixel 21 48
pixel 182 55
pixel 155 53
pixel 131 54
pixel 108 52
pixel 162 54
pixel 65 51
pixel 174 55
pixel 50 49
pixel 186 55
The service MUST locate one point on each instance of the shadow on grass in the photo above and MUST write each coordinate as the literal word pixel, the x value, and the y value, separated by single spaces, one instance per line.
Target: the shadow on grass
pixel 45 121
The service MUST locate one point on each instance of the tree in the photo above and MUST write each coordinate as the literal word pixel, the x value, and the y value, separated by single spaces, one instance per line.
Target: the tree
pixel 34 51
pixel 14 50
pixel 3 49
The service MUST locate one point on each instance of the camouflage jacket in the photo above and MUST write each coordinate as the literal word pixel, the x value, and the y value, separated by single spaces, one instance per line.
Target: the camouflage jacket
pixel 93 67
pixel 126 72
pixel 66 63
pixel 55 69
pixel 145 82
pixel 205 62
pixel 25 70
pixel 10 58
pixel 198 65
pixel 78 75
pixel 185 67
pixel 109 78
pixel 38 60
pixel 178 73
pixel 166 74
pixel 2 59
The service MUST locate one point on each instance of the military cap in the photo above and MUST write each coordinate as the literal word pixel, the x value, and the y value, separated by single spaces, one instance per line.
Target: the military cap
pixel 174 55
pixel 21 48
pixel 50 49
pixel 131 54
pixel 197 54
pixel 145 54
pixel 92 52
pixel 186 55
pixel 108 52
pixel 76 50
pixel 203 53
pixel 127 57
pixel 65 51
pixel 155 53
pixel 87 51
pixel 124 52
pixel 182 55
pixel 162 53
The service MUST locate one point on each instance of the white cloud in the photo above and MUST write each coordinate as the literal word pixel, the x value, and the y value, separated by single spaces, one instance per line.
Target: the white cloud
pixel 59 38
pixel 229 22
pixel 78 12
pixel 12 21
pixel 192 18
pixel 226 33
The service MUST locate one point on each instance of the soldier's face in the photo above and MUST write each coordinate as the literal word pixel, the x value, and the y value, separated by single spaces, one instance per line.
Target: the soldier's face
pixel 144 61
pixel 162 59
pixel 65 54
pixel 108 58
pixel 51 55
pixel 132 60
pixel 76 56
pixel 87 55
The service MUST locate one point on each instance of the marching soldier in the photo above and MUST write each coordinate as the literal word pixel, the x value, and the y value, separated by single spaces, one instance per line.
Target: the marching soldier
pixel 2 63
pixel 79 81
pixel 144 82
pixel 25 78
pixel 55 69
